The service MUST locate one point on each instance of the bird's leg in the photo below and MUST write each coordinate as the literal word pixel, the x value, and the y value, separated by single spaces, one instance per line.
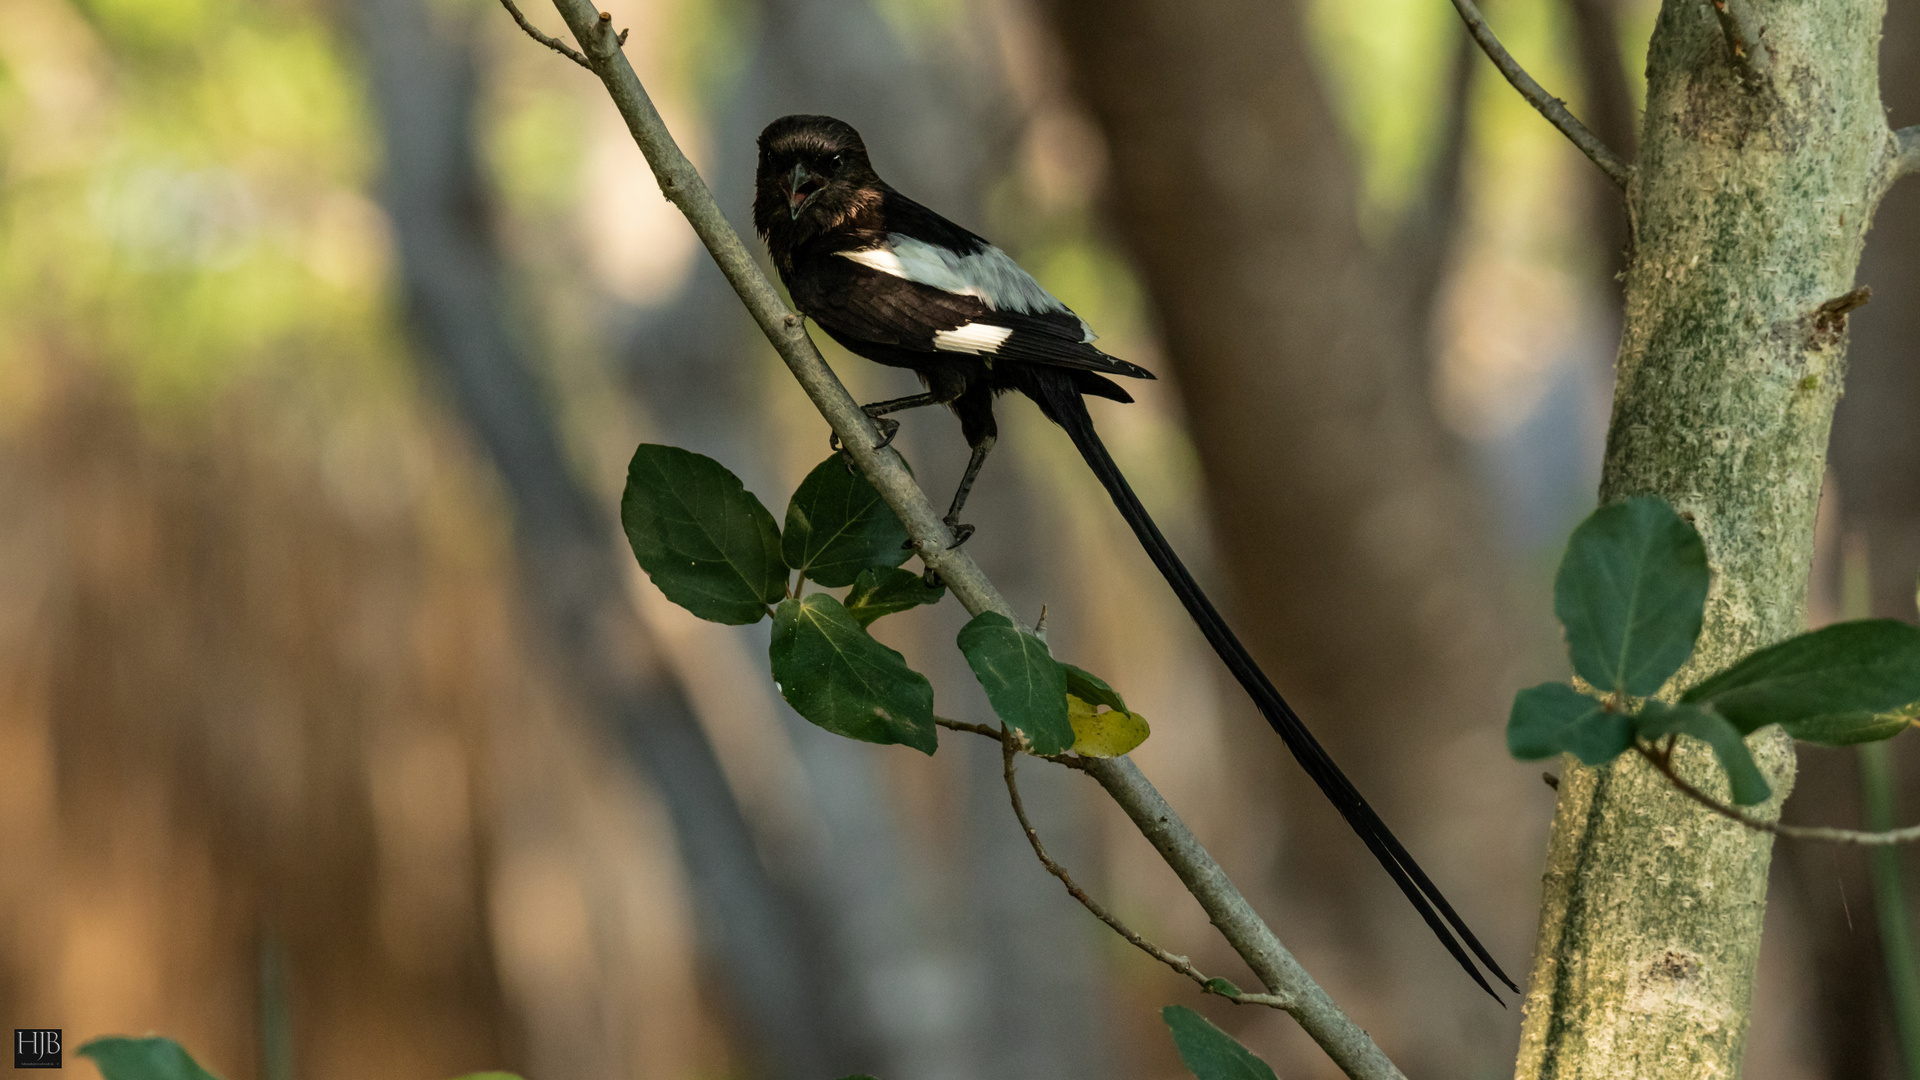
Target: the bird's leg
pixel 975 408
pixel 980 451
pixel 889 428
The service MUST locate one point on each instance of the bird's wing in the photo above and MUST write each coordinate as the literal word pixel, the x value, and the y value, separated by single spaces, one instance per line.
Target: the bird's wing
pixel 910 293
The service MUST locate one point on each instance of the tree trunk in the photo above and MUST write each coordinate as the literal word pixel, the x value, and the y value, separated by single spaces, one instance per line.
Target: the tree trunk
pixel 1876 462
pixel 1755 185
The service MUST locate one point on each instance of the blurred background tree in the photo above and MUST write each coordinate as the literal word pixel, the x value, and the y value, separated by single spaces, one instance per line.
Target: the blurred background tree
pixel 329 702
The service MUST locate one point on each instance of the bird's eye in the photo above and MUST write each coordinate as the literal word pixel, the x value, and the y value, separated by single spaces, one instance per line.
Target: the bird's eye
pixel 837 162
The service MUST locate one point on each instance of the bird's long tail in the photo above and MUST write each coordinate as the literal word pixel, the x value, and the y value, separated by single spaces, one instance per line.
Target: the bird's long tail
pixel 1065 407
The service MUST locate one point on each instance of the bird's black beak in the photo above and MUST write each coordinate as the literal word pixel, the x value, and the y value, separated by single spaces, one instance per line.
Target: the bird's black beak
pixel 801 186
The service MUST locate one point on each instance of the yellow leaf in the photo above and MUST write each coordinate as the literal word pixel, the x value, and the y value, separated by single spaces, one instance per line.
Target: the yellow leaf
pixel 1104 734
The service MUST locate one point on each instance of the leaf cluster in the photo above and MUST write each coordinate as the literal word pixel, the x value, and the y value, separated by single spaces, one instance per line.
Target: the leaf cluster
pixel 1632 592
pixel 714 549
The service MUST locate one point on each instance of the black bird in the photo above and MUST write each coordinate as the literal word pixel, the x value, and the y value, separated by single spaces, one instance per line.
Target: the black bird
pixel 898 284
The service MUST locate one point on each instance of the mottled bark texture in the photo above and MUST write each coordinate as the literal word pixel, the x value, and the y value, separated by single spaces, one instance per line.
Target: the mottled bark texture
pixel 1756 182
pixel 1352 549
pixel 1876 463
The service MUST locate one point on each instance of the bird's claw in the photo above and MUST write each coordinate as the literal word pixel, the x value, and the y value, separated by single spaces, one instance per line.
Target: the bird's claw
pixel 960 533
pixel 846 456
pixel 888 429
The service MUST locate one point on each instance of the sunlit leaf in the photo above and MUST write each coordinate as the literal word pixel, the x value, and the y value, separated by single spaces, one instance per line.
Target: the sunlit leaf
pixel 884 592
pixel 1631 592
pixel 1025 685
pixel 1658 718
pixel 1104 734
pixel 1554 718
pixel 1209 1053
pixel 834 674
pixel 701 535
pixel 1833 685
pixel 837 526
pixel 1092 688
pixel 151 1058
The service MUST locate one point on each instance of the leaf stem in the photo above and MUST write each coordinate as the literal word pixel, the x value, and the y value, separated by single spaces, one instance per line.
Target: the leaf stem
pixel 1662 761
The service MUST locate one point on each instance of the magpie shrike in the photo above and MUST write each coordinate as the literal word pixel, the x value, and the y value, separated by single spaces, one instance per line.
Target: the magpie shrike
pixel 896 283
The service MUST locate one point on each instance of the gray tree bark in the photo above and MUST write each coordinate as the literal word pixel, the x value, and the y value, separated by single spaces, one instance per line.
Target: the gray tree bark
pixel 766 944
pixel 1876 463
pixel 1759 171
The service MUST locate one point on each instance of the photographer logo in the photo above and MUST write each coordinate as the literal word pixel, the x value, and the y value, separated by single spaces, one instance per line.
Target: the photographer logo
pixel 36 1048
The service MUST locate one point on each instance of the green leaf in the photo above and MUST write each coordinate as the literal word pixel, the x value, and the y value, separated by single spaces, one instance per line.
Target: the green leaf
pixel 1223 986
pixel 1106 734
pixel 152 1058
pixel 834 674
pixel 1830 686
pixel 1847 729
pixel 701 536
pixel 885 591
pixel 837 526
pixel 1209 1053
pixel 1091 688
pixel 1555 718
pixel 1743 776
pixel 1630 592
pixel 1024 683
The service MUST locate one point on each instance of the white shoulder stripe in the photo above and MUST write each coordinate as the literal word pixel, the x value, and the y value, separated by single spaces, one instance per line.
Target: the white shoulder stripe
pixel 990 275
pixel 973 338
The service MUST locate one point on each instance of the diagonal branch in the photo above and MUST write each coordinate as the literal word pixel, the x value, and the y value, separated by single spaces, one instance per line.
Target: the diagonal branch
pixel 1549 106
pixel 1008 751
pixel 1662 762
pixel 1350 1047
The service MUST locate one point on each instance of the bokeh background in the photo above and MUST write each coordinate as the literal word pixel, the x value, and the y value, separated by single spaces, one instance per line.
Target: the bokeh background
pixel 339 736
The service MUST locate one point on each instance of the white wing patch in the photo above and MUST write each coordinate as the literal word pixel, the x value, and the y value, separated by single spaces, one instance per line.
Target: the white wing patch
pixel 990 275
pixel 973 338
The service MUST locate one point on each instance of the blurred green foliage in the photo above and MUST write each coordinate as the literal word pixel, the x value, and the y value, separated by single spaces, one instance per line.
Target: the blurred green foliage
pixel 183 197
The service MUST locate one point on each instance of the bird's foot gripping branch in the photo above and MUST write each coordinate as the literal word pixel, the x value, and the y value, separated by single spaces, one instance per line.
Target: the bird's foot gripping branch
pixel 1631 593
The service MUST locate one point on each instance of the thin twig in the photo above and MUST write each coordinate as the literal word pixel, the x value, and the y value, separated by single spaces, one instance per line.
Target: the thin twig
pixel 1008 751
pixel 1069 760
pixel 1662 762
pixel 1344 1041
pixel 553 43
pixel 1751 54
pixel 1549 106
pixel 1906 161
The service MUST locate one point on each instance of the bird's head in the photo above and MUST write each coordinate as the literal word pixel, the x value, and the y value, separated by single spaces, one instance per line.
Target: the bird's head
pixel 813 177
